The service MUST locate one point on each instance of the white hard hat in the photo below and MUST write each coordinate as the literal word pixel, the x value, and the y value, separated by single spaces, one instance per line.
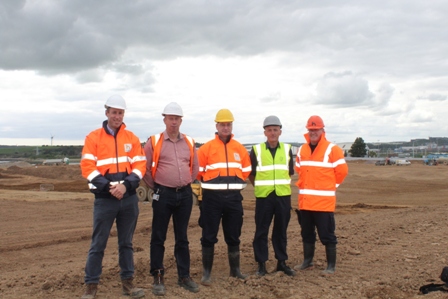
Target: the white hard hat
pixel 173 108
pixel 272 120
pixel 115 101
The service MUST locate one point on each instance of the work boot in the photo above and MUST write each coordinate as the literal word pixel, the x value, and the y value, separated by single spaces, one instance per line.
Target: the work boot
pixel 207 263
pixel 261 269
pixel 188 284
pixel 330 250
pixel 281 266
pixel 308 255
pixel 158 285
pixel 234 262
pixel 90 292
pixel 130 290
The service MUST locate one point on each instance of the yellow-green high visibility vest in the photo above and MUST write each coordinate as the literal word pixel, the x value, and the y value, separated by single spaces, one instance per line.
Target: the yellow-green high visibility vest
pixel 272 172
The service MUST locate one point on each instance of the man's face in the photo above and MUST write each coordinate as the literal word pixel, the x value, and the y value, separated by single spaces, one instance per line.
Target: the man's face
pixel 315 135
pixel 114 117
pixel 272 133
pixel 224 129
pixel 172 123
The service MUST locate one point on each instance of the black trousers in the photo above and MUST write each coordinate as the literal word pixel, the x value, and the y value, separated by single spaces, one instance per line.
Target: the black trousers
pixel 322 221
pixel 277 208
pixel 220 205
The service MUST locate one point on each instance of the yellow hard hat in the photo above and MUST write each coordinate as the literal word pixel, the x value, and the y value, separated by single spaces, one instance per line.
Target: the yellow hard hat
pixel 224 116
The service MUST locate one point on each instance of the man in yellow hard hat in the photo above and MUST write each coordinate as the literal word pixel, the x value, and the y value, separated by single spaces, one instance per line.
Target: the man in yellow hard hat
pixel 321 168
pixel 272 168
pixel 224 166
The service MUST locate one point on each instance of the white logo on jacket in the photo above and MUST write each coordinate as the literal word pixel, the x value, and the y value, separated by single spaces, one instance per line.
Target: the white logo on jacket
pixel 237 157
pixel 127 147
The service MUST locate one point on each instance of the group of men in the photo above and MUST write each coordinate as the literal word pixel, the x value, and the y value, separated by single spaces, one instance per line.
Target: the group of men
pixel 113 161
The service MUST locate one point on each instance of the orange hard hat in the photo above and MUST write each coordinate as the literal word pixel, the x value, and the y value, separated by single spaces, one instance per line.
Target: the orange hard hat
pixel 315 122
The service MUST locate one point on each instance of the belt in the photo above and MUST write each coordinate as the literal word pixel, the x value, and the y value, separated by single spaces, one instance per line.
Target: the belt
pixel 174 189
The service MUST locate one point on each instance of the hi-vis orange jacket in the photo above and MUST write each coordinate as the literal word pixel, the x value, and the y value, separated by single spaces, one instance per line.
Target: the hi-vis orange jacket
pixel 320 173
pixel 223 166
pixel 110 159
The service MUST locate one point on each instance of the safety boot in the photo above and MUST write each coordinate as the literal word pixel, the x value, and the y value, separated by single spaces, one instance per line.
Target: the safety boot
pixel 261 269
pixel 129 289
pixel 308 255
pixel 158 285
pixel 207 263
pixel 330 250
pixel 234 262
pixel 90 292
pixel 281 266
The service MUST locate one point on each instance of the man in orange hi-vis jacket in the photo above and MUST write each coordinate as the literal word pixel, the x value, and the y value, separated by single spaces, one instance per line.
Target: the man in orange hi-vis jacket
pixel 224 166
pixel 321 168
pixel 113 162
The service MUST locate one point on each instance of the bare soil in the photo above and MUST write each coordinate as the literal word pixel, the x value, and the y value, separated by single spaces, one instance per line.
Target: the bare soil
pixel 392 224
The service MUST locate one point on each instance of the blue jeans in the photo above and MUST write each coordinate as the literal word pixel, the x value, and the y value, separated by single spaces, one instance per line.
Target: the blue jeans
pixel 105 212
pixel 179 205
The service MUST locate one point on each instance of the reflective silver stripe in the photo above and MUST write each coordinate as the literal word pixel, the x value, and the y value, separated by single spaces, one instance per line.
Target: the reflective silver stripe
pixel 273 167
pixel 92 186
pixel 138 173
pixel 109 161
pixel 201 169
pixel 317 192
pixel 247 169
pixel 272 182
pixel 94 174
pixel 190 140
pixel 339 162
pixel 116 183
pixel 223 165
pixel 88 157
pixel 138 159
pixel 223 186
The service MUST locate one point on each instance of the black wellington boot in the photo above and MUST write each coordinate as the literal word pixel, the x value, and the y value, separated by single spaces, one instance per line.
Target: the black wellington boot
pixel 234 262
pixel 207 263
pixel 330 250
pixel 308 255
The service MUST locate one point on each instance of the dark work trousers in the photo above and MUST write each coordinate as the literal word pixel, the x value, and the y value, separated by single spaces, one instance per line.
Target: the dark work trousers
pixel 177 204
pixel 323 221
pixel 106 211
pixel 225 205
pixel 279 208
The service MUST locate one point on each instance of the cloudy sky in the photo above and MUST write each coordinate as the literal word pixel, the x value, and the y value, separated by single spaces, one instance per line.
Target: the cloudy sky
pixel 371 69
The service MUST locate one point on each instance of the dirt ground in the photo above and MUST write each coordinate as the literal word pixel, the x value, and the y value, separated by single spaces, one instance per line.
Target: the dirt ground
pixel 391 221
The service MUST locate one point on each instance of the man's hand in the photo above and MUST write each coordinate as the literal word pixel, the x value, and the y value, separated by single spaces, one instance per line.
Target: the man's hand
pixel 118 191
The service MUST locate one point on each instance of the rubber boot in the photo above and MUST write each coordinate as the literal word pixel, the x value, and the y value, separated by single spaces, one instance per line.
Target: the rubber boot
pixel 207 263
pixel 330 250
pixel 308 255
pixel 234 262
pixel 261 269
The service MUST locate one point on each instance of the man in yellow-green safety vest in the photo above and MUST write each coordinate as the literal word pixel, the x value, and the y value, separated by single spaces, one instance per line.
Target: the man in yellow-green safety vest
pixel 272 168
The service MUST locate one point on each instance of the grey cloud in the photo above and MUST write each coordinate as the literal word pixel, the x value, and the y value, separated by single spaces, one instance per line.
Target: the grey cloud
pixel 274 97
pixel 66 36
pixel 343 90
pixel 434 97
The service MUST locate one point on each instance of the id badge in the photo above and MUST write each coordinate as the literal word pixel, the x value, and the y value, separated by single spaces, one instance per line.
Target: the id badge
pixel 155 197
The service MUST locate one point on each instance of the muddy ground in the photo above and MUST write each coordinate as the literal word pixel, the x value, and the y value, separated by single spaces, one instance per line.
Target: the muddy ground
pixel 392 224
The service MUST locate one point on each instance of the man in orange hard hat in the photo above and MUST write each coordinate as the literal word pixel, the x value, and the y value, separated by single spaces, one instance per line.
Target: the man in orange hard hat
pixel 321 168
pixel 224 166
